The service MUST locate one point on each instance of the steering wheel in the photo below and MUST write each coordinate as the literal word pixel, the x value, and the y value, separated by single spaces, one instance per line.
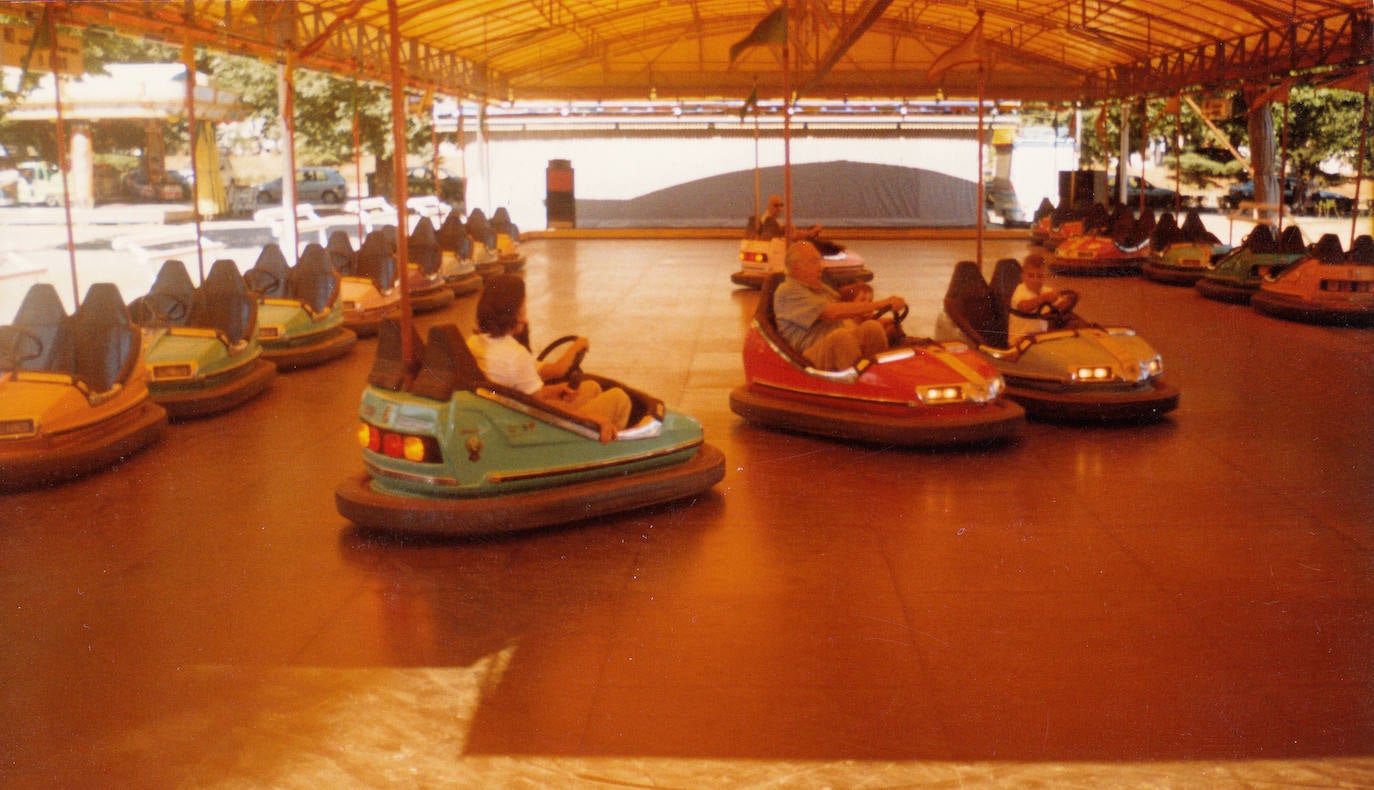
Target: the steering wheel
pixel 898 316
pixel 574 374
pixel 17 346
pixel 1054 312
pixel 261 281
pixel 166 308
pixel 895 334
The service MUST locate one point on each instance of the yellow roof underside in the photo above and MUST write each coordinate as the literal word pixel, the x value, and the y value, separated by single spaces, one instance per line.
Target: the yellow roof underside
pixel 630 49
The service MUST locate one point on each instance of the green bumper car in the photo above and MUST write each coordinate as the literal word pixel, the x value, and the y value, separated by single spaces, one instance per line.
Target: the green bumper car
pixel 448 452
pixel 300 316
pixel 201 346
pixel 1081 372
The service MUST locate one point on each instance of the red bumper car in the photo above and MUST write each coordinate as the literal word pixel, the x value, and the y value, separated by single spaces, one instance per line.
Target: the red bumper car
pixel 919 393
pixel 1119 249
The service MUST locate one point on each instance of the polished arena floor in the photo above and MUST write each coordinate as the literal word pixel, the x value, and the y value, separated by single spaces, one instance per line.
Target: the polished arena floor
pixel 1181 604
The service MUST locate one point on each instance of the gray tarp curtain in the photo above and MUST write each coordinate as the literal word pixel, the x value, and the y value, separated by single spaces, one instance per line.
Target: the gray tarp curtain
pixel 834 194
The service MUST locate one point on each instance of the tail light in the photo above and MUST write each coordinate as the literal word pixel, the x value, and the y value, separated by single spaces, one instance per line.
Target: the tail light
pixel 411 447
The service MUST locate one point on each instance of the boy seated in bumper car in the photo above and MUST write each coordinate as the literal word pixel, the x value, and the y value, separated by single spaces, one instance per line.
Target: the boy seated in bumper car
pixel 1035 308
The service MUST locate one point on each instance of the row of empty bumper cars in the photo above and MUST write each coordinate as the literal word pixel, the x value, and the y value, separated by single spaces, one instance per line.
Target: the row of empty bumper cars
pixel 1236 276
pixel 373 276
pixel 1328 285
pixel 448 452
pixel 456 265
pixel 494 244
pixel 1180 255
pixel 73 388
pixel 919 393
pixel 1075 371
pixel 424 280
pixel 201 345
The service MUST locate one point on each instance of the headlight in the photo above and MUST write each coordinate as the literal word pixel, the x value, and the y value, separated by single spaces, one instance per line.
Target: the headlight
pixel 932 395
pixel 1155 367
pixel 17 428
pixel 172 372
pixel 1098 373
pixel 995 387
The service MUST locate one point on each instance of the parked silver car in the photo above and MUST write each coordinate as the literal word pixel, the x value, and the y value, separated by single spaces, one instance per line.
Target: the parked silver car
pixel 313 185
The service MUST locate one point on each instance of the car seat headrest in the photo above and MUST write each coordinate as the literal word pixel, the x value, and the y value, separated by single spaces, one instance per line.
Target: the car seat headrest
pixel 313 281
pixel 270 274
pixel 39 339
pixel 341 253
pixel 447 365
pixel 422 247
pixel 223 303
pixel 106 342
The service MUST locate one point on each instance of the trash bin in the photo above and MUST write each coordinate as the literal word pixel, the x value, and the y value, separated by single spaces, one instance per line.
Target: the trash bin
pixel 559 202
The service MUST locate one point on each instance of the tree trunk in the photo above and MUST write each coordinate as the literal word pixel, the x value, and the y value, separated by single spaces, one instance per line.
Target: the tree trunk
pixel 1262 159
pixel 382 179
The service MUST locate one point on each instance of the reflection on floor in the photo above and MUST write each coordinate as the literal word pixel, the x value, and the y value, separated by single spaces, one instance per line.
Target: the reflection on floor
pixel 1186 604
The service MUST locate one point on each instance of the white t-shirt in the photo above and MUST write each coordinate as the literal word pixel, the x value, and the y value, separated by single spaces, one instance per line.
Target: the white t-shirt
pixel 1017 326
pixel 506 362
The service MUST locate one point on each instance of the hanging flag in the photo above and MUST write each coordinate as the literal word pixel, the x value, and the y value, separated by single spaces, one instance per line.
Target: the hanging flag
pixel 772 30
pixel 970 50
pixel 751 103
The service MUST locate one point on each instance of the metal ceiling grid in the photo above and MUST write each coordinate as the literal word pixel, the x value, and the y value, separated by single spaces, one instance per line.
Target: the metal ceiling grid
pixel 586 50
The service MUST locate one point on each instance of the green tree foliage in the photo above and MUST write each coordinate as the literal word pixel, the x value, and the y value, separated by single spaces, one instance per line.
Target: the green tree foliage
pixel 1323 128
pixel 325 107
pixel 325 104
pixel 1323 125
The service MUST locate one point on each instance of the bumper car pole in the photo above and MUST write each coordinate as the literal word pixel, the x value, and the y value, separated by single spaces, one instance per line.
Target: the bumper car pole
pixel 398 138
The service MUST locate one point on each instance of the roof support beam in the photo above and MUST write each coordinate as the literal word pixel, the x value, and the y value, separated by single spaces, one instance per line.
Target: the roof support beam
pixel 333 47
pixel 857 24
pixel 1340 41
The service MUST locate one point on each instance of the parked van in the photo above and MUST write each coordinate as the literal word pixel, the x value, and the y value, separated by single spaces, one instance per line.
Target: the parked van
pixel 40 183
